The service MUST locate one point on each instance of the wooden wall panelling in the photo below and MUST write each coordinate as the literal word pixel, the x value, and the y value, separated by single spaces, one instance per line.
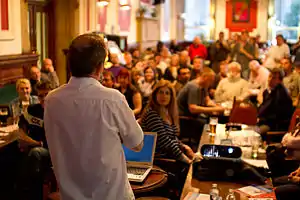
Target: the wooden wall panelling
pixel 13 67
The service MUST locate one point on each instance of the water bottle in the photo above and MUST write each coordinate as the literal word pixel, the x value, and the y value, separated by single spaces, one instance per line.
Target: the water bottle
pixel 230 195
pixel 214 192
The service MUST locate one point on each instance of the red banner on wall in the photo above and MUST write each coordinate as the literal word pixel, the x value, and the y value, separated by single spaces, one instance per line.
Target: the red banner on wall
pixel 241 15
pixel 102 10
pixel 4 15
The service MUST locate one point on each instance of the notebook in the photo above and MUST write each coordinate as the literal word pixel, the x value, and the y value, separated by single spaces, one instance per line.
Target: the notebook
pixel 139 164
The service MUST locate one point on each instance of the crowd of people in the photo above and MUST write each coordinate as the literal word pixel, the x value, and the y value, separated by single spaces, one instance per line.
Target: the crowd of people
pixel 158 86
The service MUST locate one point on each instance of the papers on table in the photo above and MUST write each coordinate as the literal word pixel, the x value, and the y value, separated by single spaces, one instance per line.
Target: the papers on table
pixel 9 129
pixel 256 163
pixel 251 191
pixel 2 141
pixel 197 196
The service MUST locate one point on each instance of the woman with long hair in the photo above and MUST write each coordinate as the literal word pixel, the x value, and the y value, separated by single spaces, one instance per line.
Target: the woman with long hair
pixel 132 95
pixel 161 116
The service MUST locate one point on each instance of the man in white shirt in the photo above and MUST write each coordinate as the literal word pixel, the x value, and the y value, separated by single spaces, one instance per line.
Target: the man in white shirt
pixel 276 53
pixel 86 124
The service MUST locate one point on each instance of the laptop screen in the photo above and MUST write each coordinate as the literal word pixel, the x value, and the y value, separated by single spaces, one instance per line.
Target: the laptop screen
pixel 145 155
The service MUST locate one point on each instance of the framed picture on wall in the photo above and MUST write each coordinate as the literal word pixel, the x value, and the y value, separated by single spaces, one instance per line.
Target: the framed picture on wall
pixel 241 11
pixel 241 15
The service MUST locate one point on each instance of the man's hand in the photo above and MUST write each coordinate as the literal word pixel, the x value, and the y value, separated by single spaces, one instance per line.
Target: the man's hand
pixel 286 138
pixel 294 179
pixel 51 68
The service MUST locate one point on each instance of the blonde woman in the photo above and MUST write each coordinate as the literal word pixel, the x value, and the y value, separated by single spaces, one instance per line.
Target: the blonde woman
pixel 161 116
pixel 24 99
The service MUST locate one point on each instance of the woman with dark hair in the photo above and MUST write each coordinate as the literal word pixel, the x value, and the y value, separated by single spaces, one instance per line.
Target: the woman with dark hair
pixel 147 84
pixel 132 95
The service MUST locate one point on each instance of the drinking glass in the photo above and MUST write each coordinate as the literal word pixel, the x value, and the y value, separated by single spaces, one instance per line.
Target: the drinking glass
pixel 213 122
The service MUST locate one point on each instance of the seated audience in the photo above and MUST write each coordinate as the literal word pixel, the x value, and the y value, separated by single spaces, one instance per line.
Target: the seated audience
pixel 136 75
pixel 33 143
pixel 128 60
pixel 136 55
pixel 194 101
pixel 171 71
pixel 165 55
pixel 132 95
pixel 184 75
pixel 184 59
pixel 291 80
pixel 153 65
pixel 108 79
pixel 35 77
pixel 276 53
pixel 232 86
pixel 258 80
pixel 220 76
pixel 24 99
pixel 197 67
pixel 161 116
pixel 161 65
pixel 174 48
pixel 146 85
pixel 277 107
pixel 49 74
pixel 116 67
pixel 197 49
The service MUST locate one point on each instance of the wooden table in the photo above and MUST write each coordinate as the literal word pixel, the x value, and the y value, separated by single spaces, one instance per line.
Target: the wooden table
pixel 10 138
pixel 156 179
pixel 194 185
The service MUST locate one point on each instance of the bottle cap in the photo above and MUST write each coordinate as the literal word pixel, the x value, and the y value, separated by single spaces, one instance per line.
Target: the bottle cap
pixel 214 185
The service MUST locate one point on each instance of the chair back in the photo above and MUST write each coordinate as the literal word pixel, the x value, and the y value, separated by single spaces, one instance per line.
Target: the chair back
pixel 243 113
pixel 295 119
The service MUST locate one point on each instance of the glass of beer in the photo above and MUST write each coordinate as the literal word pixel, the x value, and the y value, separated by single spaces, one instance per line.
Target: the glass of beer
pixel 213 121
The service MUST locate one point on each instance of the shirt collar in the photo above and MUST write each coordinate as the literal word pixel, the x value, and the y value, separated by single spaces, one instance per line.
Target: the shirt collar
pixel 83 81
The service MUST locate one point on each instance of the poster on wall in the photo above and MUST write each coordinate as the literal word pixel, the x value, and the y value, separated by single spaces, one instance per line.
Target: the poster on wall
pixel 241 15
pixel 241 11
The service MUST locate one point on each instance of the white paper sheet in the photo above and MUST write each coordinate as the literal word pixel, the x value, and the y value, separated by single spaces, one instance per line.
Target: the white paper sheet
pixel 256 163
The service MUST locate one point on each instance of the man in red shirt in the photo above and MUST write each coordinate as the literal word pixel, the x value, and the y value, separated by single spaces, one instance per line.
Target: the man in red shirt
pixel 197 49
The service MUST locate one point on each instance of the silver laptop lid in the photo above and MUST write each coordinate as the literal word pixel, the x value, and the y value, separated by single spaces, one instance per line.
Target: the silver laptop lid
pixel 146 155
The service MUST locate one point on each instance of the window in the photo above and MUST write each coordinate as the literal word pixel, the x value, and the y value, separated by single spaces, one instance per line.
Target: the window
pixel 287 19
pixel 197 19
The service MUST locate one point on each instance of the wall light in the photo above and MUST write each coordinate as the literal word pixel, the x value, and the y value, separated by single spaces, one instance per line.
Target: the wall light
pixel 102 3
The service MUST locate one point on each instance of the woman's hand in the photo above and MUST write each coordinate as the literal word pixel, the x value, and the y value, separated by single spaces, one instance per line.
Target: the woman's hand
pixel 188 151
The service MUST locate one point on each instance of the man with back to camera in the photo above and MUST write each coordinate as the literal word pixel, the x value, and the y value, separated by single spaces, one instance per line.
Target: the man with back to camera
pixel 85 126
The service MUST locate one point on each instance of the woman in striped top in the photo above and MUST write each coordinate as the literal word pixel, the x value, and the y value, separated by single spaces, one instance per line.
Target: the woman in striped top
pixel 161 116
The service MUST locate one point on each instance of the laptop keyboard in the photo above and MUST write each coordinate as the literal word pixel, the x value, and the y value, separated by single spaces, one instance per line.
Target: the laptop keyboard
pixel 136 170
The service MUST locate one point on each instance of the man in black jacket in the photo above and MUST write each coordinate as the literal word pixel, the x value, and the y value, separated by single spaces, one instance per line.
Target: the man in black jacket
pixel 276 109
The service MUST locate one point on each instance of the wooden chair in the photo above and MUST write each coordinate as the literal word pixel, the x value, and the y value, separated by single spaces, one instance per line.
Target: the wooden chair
pixel 243 113
pixel 190 129
pixel 295 119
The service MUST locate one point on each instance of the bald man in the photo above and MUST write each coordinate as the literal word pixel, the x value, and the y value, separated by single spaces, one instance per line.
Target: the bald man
pixel 197 49
pixel 48 73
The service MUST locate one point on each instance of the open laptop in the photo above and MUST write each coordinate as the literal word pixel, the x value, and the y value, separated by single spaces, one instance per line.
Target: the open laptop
pixel 139 164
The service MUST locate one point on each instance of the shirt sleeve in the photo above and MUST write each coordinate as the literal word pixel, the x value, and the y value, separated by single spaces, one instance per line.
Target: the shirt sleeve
pixel 130 131
pixel 165 143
